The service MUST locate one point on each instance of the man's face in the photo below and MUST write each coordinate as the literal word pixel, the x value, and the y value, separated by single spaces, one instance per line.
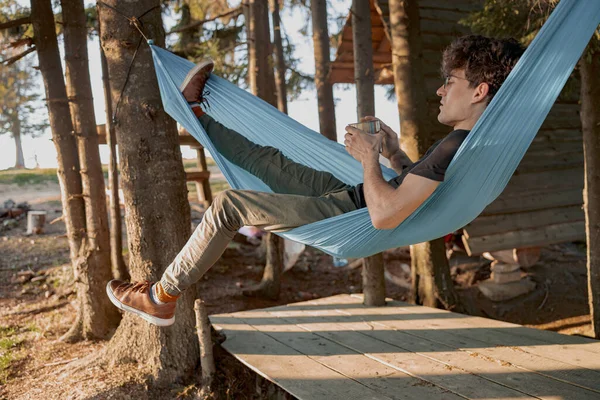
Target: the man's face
pixel 456 103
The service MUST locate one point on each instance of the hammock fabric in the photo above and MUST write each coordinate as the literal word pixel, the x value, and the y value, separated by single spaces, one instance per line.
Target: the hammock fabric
pixel 477 175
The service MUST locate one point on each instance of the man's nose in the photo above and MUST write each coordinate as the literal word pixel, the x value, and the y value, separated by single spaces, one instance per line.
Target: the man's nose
pixel 441 91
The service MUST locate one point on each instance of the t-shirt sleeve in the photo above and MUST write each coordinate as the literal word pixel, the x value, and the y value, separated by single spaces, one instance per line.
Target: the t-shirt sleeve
pixel 434 166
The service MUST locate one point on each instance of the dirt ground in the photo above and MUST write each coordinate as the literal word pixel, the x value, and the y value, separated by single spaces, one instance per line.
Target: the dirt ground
pixel 37 307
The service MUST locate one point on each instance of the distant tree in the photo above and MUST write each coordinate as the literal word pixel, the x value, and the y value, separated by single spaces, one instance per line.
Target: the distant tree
pixel 262 84
pixel 19 106
pixel 279 59
pixel 18 101
pixel 320 36
pixel 96 316
pixel 523 19
pixel 373 269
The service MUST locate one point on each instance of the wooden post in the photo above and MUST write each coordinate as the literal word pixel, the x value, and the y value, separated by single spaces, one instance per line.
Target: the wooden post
pixel 207 361
pixel 35 222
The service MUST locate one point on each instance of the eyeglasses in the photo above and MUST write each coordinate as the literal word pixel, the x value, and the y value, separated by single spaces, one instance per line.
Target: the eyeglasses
pixel 447 78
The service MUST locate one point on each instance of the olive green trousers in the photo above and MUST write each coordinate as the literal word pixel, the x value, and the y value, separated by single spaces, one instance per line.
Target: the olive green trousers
pixel 301 195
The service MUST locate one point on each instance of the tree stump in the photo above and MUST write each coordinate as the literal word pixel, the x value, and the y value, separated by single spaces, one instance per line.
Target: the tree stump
pixel 35 222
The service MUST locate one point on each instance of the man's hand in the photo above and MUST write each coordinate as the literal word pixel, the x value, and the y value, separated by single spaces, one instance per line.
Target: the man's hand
pixel 362 146
pixel 390 143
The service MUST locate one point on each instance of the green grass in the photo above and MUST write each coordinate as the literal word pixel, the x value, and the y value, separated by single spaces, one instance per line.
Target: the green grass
pixel 8 344
pixel 23 177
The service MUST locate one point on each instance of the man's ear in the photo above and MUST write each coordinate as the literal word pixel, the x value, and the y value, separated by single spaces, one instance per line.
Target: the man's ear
pixel 481 92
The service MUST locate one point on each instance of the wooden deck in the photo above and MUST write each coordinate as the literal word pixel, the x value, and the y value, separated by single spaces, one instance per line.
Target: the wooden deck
pixel 336 348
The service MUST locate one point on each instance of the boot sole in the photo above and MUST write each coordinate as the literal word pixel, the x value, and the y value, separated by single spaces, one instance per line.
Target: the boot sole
pixel 150 318
pixel 193 72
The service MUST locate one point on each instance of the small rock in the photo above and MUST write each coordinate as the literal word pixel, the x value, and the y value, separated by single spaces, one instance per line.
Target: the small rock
pixel 5 238
pixel 503 268
pixel 239 284
pixel 305 296
pixel 506 277
pixel 47 294
pixel 506 291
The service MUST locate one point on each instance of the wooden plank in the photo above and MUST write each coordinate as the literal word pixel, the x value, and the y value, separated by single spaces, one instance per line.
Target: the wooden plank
pixel 356 366
pixel 450 333
pixel 366 337
pixel 546 180
pixel 196 175
pixel 492 224
pixel 535 200
pixel 556 233
pixel 294 372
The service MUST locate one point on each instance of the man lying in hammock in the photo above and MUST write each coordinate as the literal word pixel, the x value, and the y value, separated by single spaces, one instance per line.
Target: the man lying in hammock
pixel 474 67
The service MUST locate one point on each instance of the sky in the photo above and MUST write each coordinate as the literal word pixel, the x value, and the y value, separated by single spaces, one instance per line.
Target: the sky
pixel 304 109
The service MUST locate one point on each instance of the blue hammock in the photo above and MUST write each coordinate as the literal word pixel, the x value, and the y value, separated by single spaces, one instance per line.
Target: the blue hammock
pixel 477 175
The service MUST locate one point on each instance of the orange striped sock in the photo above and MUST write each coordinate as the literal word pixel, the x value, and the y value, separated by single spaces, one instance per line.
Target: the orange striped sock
pixel 162 295
pixel 198 112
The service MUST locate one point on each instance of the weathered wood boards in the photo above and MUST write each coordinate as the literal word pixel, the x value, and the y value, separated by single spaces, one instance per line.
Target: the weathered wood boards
pixel 336 348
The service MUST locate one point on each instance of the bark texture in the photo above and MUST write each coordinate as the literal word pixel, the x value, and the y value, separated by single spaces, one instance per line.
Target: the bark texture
pixel 262 84
pixel 119 269
pixel 96 316
pixel 590 122
pixel 280 84
pixel 153 181
pixel 432 283
pixel 373 269
pixel 61 126
pixel 318 9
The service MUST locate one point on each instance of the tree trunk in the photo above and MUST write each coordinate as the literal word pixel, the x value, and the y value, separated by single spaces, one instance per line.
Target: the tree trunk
pixel 262 84
pixel 279 60
pixel 373 277
pixel 119 269
pixel 432 283
pixel 16 134
pixel 96 316
pixel 153 181
pixel 318 9
pixel 590 122
pixel 61 126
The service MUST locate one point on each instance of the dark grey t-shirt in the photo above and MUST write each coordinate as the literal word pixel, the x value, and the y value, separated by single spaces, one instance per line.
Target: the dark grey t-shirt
pixel 432 165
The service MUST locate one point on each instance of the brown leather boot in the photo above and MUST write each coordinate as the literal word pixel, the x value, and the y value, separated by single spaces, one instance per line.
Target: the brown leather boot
pixel 194 82
pixel 135 297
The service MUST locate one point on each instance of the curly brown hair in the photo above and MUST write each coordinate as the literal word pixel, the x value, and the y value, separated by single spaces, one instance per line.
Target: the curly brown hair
pixel 484 59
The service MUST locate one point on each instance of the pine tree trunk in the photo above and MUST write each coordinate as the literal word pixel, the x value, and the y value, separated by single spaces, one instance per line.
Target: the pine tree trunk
pixel 119 269
pixel 590 122
pixel 280 68
pixel 153 181
pixel 318 9
pixel 96 317
pixel 16 134
pixel 432 283
pixel 373 277
pixel 262 84
pixel 61 126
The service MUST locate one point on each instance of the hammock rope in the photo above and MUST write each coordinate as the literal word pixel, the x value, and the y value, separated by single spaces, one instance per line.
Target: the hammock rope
pixel 477 175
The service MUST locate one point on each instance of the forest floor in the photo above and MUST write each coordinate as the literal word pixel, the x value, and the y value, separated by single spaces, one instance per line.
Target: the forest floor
pixel 37 306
